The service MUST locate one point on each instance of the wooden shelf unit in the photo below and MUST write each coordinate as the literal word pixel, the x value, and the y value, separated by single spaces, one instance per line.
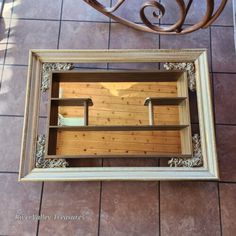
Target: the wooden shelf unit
pixel 151 131
pixel 201 165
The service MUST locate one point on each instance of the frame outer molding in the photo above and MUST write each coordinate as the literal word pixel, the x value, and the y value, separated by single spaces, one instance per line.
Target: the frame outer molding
pixel 208 172
pixel 206 116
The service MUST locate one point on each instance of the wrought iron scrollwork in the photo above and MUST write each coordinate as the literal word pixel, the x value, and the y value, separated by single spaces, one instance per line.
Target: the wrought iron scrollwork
pixel 209 17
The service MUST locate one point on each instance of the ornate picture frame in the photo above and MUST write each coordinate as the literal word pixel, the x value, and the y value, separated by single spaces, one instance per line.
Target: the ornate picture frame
pixel 202 165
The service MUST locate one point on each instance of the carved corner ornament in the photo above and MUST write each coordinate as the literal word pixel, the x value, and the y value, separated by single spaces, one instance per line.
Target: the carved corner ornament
pixel 184 66
pixel 48 67
pixel 49 163
pixel 195 161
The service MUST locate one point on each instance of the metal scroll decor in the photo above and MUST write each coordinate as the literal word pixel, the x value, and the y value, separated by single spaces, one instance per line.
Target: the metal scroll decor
pixel 49 67
pixel 47 163
pixel 184 66
pixel 210 15
pixel 195 161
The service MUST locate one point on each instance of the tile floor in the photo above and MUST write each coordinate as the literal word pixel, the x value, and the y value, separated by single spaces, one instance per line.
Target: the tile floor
pixel 111 208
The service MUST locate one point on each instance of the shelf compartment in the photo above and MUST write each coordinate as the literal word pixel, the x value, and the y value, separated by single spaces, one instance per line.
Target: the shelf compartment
pixel 71 143
pixel 118 96
pixel 56 117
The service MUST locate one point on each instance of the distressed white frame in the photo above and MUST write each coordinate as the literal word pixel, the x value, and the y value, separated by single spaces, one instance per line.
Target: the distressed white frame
pixel 209 171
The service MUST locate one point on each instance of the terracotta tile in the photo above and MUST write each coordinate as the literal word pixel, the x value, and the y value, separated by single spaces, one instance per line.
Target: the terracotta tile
pixel 228 208
pixel 43 9
pixel 30 34
pixel 223 50
pixel 129 10
pixel 84 35
pixel 12 93
pixel 82 11
pixel 226 17
pixel 126 38
pixel 189 208
pixel 78 199
pixel 225 103
pixel 226 148
pixel 198 39
pixel 10 139
pixel 18 201
pixel 129 208
pixel 123 37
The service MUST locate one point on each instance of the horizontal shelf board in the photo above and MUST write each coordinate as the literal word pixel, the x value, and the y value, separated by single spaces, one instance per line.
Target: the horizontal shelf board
pixel 119 128
pixel 118 156
pixel 164 100
pixel 117 76
pixel 71 101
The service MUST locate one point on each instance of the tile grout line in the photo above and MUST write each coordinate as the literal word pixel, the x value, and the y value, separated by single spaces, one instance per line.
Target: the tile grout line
pixel 42 189
pixel 9 172
pixel 159 67
pixel 227 182
pixel 109 34
pixel 159 206
pixel 213 102
pixel 99 208
pixel 97 21
pixel 60 22
pixel 40 208
pixel 5 53
pixel 101 183
pixel 159 37
pixel 159 161
pixel 219 202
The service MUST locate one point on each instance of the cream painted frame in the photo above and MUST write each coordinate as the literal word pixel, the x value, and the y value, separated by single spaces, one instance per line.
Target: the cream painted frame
pixel 28 172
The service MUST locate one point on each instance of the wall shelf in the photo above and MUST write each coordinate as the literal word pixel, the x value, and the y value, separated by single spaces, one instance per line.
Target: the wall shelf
pixel 117 115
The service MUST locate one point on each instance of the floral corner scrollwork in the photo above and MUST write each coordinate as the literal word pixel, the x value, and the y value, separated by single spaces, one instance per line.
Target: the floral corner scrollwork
pixel 184 66
pixel 49 163
pixel 48 67
pixel 195 161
